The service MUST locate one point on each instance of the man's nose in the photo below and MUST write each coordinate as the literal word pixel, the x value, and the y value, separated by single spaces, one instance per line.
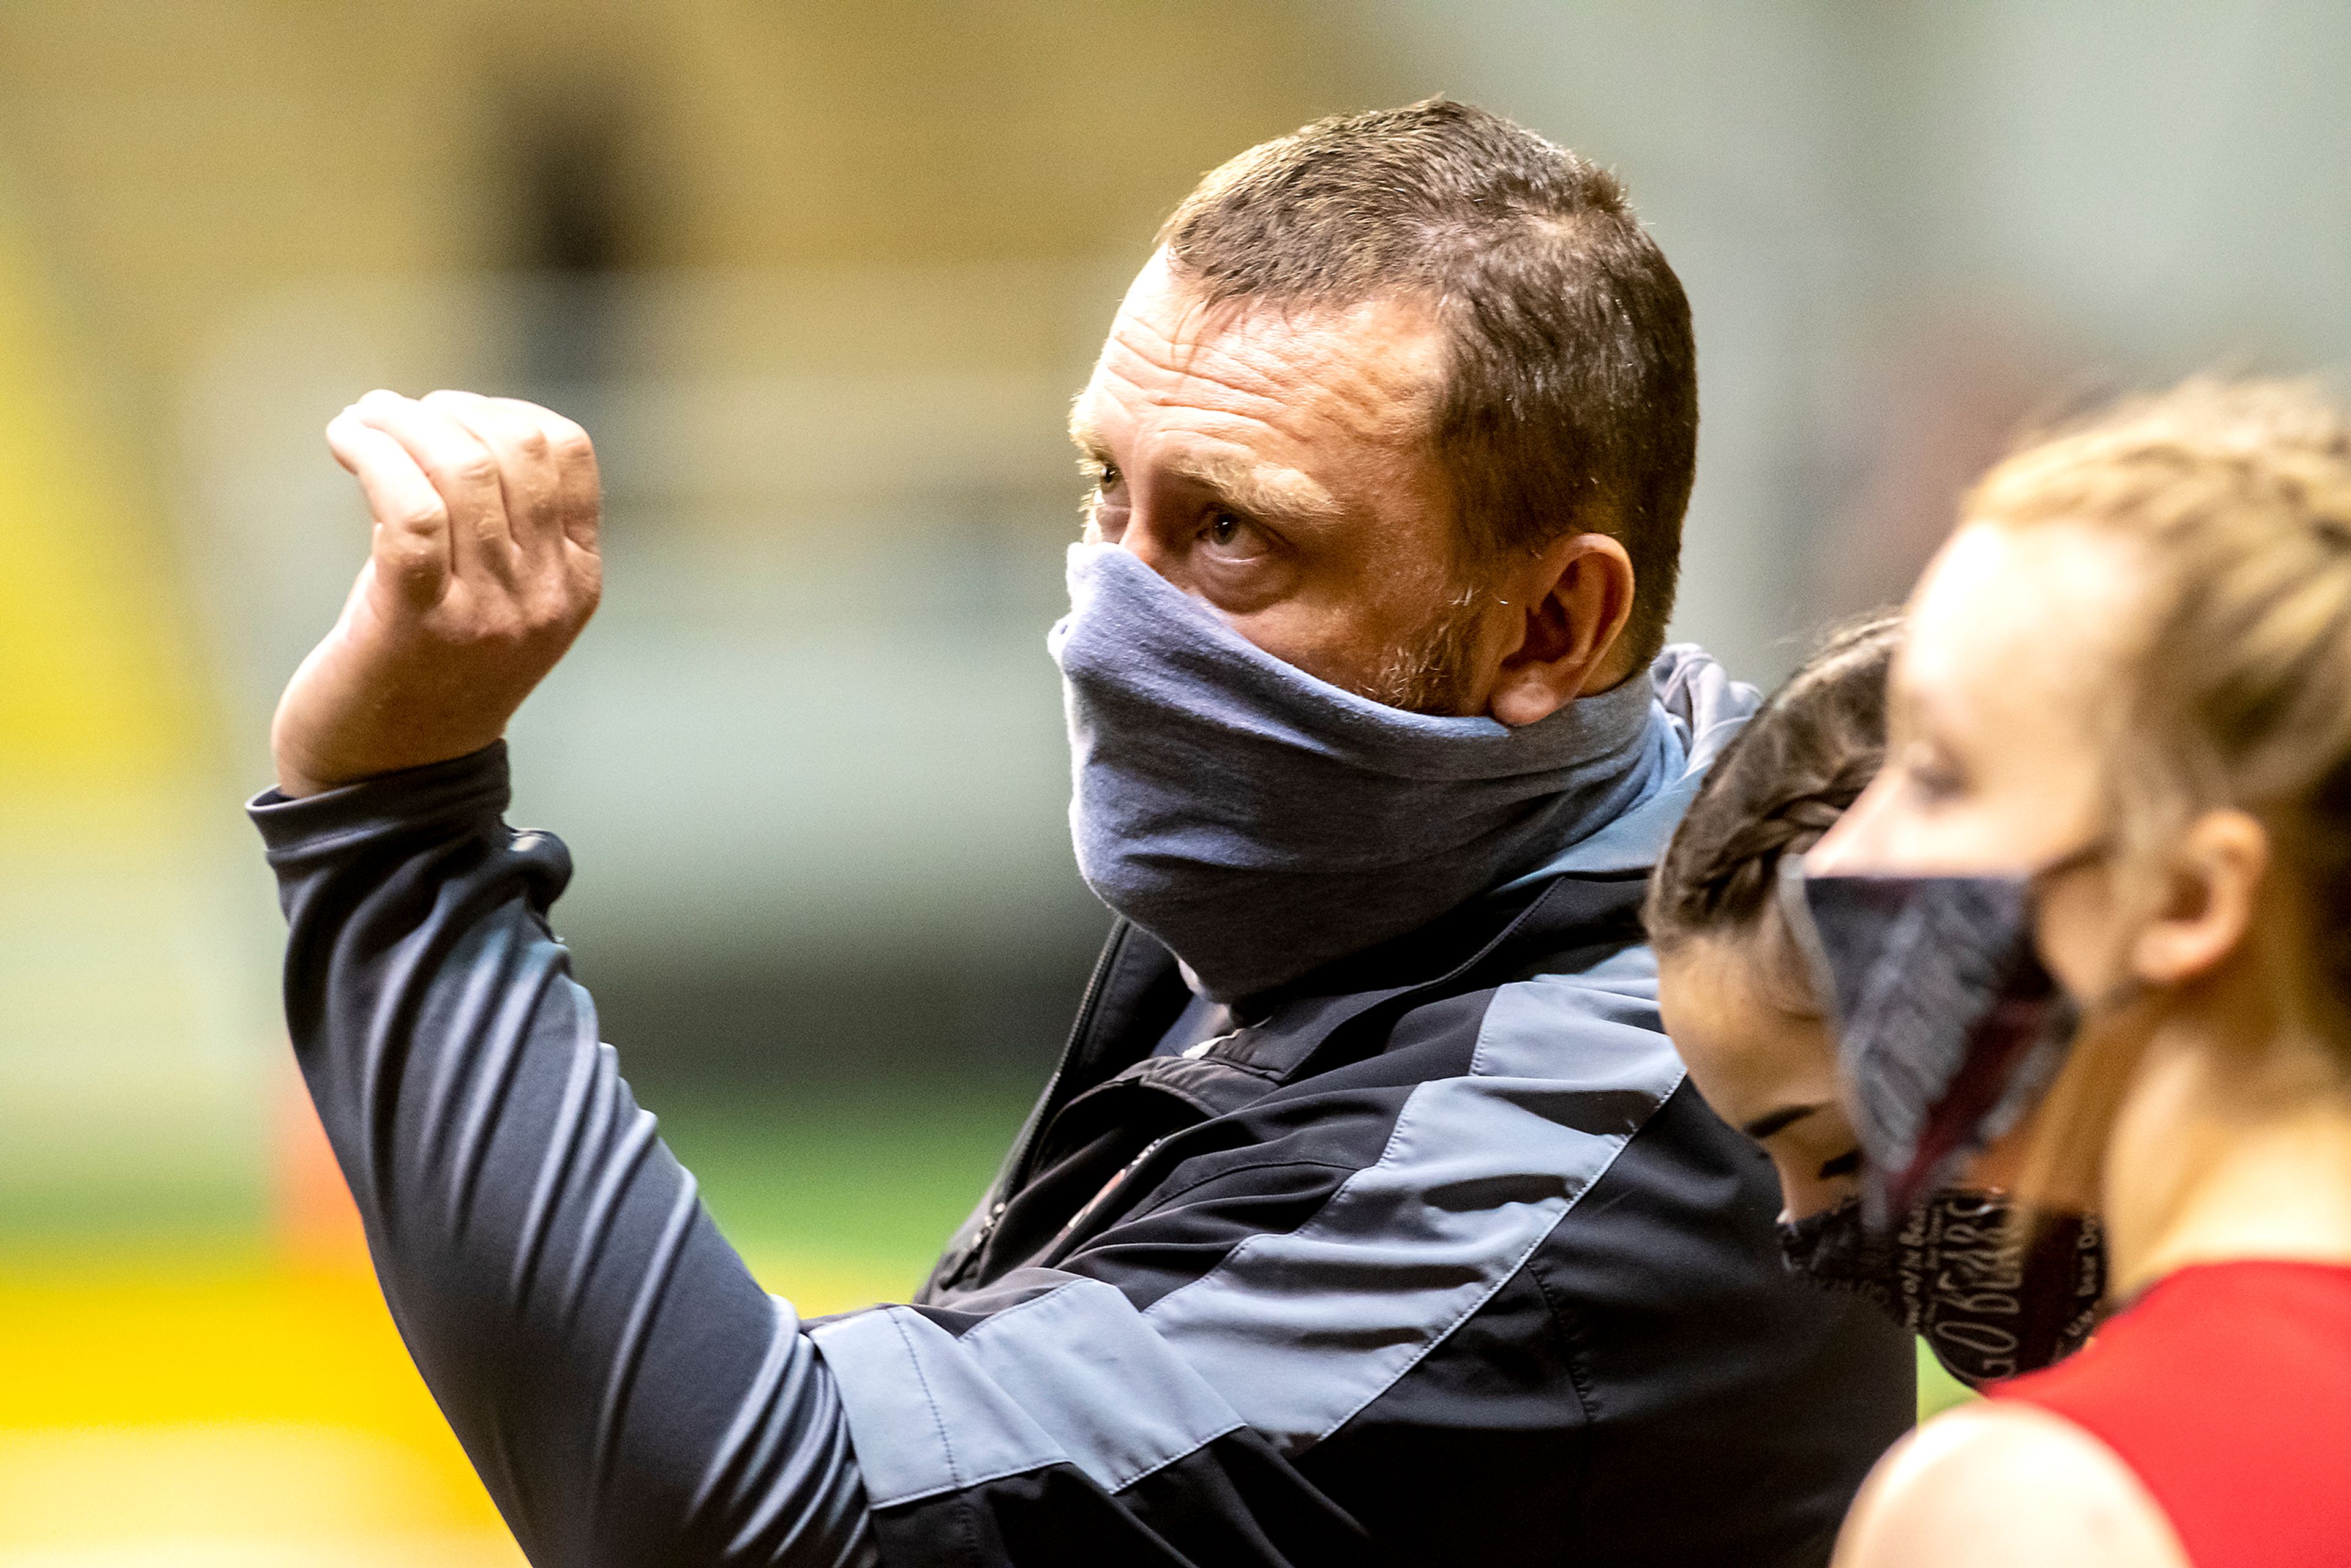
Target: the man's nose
pixel 1142 541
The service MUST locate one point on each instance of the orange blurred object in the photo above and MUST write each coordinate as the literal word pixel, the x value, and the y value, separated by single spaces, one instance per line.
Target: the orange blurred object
pixel 316 1224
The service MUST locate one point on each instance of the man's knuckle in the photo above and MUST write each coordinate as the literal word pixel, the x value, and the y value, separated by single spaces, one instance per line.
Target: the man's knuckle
pixel 477 470
pixel 503 629
pixel 551 610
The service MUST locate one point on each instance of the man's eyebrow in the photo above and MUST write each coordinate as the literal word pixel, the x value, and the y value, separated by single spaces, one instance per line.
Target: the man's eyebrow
pixel 1772 1122
pixel 1260 493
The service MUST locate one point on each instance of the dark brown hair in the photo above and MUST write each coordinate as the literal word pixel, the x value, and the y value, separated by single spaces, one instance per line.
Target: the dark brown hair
pixel 1570 397
pixel 1804 757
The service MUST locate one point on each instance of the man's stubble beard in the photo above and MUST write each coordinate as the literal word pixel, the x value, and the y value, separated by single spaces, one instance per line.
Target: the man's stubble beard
pixel 1429 672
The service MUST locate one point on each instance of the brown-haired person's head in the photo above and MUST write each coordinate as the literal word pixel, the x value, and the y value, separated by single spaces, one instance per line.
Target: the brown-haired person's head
pixel 1409 399
pixel 1734 990
pixel 1741 1001
pixel 2128 677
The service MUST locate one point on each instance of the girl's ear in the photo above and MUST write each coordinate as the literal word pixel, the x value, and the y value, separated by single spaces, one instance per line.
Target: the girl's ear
pixel 2211 887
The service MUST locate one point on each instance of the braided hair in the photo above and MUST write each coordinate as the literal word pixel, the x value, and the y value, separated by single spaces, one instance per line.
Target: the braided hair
pixel 2235 689
pixel 1804 757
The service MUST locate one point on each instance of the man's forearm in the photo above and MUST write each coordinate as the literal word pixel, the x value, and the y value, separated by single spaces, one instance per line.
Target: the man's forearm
pixel 628 1391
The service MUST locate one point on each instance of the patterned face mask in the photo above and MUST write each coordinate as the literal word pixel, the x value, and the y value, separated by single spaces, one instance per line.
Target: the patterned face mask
pixel 1948 1025
pixel 1951 1274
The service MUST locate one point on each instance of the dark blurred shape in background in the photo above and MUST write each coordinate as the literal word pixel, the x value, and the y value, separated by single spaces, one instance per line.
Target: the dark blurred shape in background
pixel 581 216
pixel 820 279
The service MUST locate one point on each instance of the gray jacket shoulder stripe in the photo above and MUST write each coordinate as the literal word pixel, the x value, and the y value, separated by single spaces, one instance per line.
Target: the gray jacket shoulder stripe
pixel 921 1419
pixel 1300 1330
pixel 1070 1375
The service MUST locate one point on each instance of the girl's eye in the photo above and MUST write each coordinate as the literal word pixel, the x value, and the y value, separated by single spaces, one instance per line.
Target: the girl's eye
pixel 1931 773
pixel 1108 478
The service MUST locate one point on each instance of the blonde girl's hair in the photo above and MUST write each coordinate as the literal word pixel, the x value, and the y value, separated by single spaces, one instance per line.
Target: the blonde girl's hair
pixel 2235 499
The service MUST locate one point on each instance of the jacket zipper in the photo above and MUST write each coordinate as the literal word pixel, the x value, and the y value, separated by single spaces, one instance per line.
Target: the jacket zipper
pixel 1016 1169
pixel 1058 1247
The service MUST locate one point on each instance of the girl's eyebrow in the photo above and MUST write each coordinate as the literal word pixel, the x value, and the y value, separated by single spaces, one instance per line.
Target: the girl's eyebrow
pixel 1771 1122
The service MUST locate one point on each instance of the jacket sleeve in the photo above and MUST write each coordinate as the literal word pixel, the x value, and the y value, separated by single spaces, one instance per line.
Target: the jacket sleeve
pixel 628 1392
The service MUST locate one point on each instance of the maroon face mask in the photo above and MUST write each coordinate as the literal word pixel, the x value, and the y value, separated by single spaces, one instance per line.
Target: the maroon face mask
pixel 1989 1303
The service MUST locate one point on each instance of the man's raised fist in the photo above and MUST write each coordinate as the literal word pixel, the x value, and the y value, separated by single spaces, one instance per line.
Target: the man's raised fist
pixel 483 569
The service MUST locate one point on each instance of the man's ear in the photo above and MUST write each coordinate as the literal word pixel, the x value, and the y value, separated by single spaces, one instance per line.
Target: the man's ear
pixel 2212 886
pixel 1572 598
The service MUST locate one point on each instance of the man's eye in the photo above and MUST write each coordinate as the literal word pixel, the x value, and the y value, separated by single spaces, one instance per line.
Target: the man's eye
pixel 1234 538
pixel 1237 537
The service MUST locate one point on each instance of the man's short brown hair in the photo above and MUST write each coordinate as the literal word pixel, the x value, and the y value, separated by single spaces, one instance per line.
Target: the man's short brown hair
pixel 1570 396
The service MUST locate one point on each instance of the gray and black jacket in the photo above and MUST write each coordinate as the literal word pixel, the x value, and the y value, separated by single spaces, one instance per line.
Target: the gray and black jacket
pixel 1433 1259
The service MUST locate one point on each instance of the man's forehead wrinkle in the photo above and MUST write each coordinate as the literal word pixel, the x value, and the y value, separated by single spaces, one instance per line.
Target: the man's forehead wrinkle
pixel 1197 325
pixel 1218 439
pixel 1205 450
pixel 1317 344
pixel 1179 361
pixel 1223 450
pixel 1223 407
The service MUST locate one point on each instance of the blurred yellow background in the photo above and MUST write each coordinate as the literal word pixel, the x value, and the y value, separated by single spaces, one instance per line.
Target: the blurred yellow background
pixel 820 278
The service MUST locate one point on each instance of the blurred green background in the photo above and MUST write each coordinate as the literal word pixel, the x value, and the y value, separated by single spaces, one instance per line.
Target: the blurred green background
pixel 820 279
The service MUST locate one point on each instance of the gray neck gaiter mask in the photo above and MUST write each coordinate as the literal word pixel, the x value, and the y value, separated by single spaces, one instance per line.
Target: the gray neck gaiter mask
pixel 1260 822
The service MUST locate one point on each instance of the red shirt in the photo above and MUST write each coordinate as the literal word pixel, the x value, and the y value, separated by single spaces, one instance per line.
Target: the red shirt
pixel 2227 1388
